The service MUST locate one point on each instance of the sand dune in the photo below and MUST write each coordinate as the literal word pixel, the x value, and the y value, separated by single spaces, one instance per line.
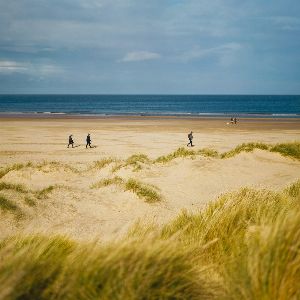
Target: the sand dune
pixel 71 206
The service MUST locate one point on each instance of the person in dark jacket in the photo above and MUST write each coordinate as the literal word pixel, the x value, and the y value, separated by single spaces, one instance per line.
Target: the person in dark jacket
pixel 71 142
pixel 88 141
pixel 190 137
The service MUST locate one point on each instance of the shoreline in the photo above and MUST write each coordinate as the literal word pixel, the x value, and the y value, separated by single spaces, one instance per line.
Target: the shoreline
pixel 226 116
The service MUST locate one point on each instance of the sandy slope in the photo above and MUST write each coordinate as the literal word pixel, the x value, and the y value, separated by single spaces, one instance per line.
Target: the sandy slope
pixel 74 208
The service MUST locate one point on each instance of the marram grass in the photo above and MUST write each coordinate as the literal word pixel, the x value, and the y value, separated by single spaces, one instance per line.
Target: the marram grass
pixel 57 268
pixel 245 245
pixel 145 191
pixel 148 192
pixel 138 161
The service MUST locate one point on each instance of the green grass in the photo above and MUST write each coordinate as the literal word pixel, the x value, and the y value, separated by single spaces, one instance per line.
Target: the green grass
pixel 144 191
pixel 107 181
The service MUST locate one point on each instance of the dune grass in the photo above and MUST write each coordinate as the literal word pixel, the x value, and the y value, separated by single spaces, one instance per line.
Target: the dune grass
pixel 43 193
pixel 135 161
pixel 100 164
pixel 287 149
pixel 291 149
pixel 7 205
pixel 144 191
pixel 245 245
pixel 180 152
pixel 57 268
pixel 11 186
pixel 14 167
pixel 107 181
pixel 245 147
pixel 29 201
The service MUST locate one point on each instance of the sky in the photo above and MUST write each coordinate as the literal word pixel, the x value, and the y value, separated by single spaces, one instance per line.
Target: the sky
pixel 150 46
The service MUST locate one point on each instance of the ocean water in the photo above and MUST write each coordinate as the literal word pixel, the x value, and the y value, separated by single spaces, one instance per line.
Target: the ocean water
pixel 168 105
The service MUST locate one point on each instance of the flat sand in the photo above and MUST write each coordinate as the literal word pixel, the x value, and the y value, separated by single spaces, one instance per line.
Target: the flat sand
pixel 75 209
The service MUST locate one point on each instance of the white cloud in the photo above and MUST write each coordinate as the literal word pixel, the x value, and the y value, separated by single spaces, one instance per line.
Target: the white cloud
pixel 140 56
pixel 8 66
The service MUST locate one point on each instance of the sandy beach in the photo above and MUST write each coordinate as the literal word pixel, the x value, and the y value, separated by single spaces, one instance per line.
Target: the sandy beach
pixel 75 208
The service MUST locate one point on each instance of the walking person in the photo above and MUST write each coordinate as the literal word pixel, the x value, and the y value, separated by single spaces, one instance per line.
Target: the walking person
pixel 71 142
pixel 190 137
pixel 88 141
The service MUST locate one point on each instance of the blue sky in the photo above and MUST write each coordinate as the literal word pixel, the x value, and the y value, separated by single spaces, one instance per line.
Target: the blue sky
pixel 150 47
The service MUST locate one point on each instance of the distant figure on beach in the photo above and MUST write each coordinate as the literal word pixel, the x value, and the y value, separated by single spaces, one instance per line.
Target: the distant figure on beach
pixel 235 120
pixel 231 120
pixel 190 137
pixel 71 142
pixel 88 141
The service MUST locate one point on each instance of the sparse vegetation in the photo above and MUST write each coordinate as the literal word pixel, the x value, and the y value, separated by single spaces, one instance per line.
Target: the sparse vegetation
pixel 100 164
pixel 108 181
pixel 208 152
pixel 7 205
pixel 43 193
pixel 136 161
pixel 180 152
pixel 11 186
pixel 245 147
pixel 14 167
pixel 29 201
pixel 287 149
pixel 145 191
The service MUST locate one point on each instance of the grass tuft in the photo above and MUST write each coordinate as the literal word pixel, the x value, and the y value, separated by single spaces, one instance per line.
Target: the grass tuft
pixel 14 167
pixel 11 186
pixel 29 201
pixel 180 152
pixel 145 191
pixel 100 164
pixel 136 161
pixel 43 193
pixel 287 149
pixel 7 205
pixel 293 190
pixel 107 181
pixel 208 152
pixel 245 147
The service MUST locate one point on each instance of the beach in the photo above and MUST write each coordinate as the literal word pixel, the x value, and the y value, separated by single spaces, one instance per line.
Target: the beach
pixel 75 207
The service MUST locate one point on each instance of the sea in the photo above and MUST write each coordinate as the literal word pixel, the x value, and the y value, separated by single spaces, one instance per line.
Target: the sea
pixel 267 106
